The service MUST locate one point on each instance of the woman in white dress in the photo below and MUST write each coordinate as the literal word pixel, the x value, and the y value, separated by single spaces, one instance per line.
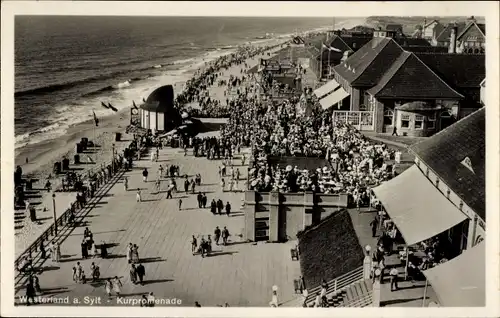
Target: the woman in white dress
pixel 129 252
pixel 117 286
pixel 108 287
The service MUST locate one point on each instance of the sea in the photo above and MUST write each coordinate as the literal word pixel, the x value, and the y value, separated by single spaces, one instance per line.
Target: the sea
pixel 65 66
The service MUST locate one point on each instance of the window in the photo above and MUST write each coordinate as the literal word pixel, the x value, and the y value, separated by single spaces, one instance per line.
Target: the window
pixel 405 121
pixel 388 117
pixel 419 122
pixel 431 121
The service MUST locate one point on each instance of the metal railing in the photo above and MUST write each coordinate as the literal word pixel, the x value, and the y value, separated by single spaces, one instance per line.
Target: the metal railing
pixel 338 284
pixel 66 218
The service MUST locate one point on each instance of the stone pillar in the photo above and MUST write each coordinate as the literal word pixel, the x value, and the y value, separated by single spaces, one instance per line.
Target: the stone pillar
pixel 274 218
pixel 376 293
pixel 378 117
pixel 249 210
pixel 308 205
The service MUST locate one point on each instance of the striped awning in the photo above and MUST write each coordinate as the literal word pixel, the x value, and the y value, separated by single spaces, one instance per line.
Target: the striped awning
pixel 326 89
pixel 333 98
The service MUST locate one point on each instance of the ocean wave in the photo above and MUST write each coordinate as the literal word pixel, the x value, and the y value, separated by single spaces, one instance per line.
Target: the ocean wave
pixel 28 138
pixel 122 84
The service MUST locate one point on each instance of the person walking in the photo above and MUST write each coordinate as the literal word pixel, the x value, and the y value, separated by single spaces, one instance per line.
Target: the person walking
pixel 36 284
pixel 220 206
pixel 125 183
pixel 169 192
pixel 93 271
pixel 141 272
pixel 199 197
pixel 53 252
pixel 194 244
pixel 217 233
pixel 30 291
pixel 133 274
pixel 225 236
pixel 117 286
pixel 209 244
pixel 228 208
pixel 193 186
pixel 58 252
pixel 145 175
pixel 222 184
pixel 180 204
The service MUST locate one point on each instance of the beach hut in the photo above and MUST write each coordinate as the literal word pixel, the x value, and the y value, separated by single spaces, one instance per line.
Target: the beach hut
pixel 158 112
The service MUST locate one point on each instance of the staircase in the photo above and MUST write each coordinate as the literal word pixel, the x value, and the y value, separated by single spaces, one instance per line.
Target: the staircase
pixel 348 290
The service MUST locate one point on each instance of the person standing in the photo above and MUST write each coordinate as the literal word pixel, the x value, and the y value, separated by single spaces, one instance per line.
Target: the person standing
pixel 374 225
pixel 204 200
pixel 228 208
pixel 220 206
pixel 222 184
pixel 133 274
pixel 125 183
pixel 213 207
pixel 117 286
pixel 135 254
pixel 42 250
pixel 194 244
pixel 199 198
pixel 217 235
pixel 394 278
pixel 138 195
pixel 108 286
pixel 169 192
pixel 186 185
pixel 53 252
pixel 193 186
pixel 141 272
pixel 30 291
pixel 85 249
pixel 180 204
pixel 129 253
pixel 145 175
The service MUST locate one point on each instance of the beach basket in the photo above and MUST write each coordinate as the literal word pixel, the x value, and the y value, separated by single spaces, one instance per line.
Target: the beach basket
pixel 65 164
pixel 79 148
pixel 118 136
pixel 76 159
pixel 84 142
pixel 57 167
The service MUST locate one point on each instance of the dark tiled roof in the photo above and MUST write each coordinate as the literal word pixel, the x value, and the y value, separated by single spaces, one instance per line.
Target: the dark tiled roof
pixel 406 41
pixel 445 151
pixel 426 49
pixel 458 70
pixel 445 34
pixel 480 26
pixel 329 249
pixel 362 59
pixel 394 27
pixel 409 77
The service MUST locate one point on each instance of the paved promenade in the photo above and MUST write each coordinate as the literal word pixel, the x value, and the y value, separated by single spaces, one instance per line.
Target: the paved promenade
pixel 240 274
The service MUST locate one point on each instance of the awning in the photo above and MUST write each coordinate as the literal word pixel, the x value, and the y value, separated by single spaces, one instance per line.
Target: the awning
pixel 326 89
pixel 333 98
pixel 419 210
pixel 461 281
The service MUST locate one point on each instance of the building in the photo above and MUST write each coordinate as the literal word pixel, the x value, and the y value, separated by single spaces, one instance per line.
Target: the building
pixel 158 112
pixel 397 28
pixel 443 195
pixel 383 85
pixel 472 39
pixel 443 38
pixel 431 29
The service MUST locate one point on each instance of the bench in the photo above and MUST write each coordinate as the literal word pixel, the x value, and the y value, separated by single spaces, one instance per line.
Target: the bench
pixel 295 254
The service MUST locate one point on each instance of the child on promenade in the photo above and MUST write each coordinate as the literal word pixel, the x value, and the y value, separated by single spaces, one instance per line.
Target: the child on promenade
pixel 138 195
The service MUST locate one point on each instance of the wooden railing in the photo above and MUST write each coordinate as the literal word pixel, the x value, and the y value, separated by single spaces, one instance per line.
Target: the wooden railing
pixel 337 284
pixel 33 251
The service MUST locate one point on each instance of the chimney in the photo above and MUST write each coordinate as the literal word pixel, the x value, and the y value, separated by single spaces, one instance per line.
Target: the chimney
pixel 453 40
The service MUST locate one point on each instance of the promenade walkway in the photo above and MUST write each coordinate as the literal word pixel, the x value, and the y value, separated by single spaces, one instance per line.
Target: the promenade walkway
pixel 240 274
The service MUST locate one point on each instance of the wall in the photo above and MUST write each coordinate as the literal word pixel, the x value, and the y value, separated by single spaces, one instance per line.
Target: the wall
pixel 412 131
pixel 475 228
pixel 356 100
pixel 378 116
pixel 287 211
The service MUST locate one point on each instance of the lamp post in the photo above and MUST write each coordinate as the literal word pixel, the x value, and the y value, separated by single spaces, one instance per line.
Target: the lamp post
pixel 113 158
pixel 54 213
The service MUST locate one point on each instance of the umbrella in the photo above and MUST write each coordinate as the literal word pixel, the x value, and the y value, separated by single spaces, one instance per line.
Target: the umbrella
pixel 289 168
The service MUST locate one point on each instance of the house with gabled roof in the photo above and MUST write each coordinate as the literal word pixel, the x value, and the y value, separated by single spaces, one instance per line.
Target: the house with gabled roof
pixel 384 87
pixel 431 29
pixel 472 39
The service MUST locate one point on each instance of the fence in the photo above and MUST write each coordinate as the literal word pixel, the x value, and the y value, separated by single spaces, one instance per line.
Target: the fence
pixel 361 119
pixel 68 215
pixel 337 284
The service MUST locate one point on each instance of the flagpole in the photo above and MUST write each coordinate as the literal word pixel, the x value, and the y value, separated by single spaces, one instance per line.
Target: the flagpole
pixel 321 62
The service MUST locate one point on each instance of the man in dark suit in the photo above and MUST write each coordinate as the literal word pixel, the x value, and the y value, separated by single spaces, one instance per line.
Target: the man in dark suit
pixel 141 272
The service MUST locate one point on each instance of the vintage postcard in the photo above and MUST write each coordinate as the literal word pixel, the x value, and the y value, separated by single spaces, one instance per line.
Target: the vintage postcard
pixel 245 159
